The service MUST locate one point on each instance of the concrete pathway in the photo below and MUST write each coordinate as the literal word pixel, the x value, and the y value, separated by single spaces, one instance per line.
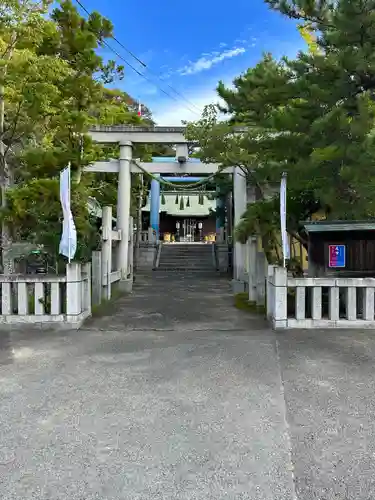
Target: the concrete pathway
pixel 175 394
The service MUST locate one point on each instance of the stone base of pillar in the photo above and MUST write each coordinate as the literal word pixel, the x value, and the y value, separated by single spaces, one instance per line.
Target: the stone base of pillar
pixel 239 286
pixel 75 322
pixel 126 285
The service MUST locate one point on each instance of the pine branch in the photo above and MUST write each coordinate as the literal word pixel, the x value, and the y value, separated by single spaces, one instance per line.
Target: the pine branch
pixel 299 238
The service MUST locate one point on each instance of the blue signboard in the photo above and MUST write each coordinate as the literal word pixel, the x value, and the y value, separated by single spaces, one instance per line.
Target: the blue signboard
pixel 336 256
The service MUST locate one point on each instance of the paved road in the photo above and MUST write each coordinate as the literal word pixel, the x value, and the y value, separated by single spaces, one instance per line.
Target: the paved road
pixel 176 395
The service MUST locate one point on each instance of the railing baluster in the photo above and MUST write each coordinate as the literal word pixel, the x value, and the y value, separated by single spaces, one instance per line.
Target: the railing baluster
pixel 351 303
pixel 22 299
pixel 277 301
pixel 82 286
pixel 334 303
pixel 316 302
pixel 39 298
pixel 300 302
pixel 368 303
pixel 270 291
pixel 55 299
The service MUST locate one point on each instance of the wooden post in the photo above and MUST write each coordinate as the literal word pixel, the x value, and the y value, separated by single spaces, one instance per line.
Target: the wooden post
pixel 260 278
pixel 106 259
pixel 86 306
pixel 131 248
pixel 139 224
pixel 96 277
pixel 252 268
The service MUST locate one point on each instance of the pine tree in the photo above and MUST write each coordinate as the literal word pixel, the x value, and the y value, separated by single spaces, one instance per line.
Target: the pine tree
pixel 312 117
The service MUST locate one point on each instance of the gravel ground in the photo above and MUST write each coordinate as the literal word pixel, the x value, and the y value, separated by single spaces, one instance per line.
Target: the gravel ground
pixel 174 394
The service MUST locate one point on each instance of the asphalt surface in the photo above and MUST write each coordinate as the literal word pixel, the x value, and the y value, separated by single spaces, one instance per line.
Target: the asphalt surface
pixel 174 394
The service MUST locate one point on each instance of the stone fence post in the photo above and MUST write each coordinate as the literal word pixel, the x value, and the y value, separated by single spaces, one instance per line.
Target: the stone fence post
pixel 270 289
pixel 96 270
pixel 260 278
pixel 150 235
pixel 280 298
pixel 252 267
pixel 106 253
pixel 86 288
pixel 73 291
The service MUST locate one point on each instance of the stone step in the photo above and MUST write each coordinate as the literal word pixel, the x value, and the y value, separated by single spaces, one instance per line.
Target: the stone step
pixel 161 274
pixel 186 254
pixel 187 264
pixel 169 268
pixel 187 257
pixel 187 245
pixel 192 252
pixel 183 252
pixel 211 272
pixel 190 258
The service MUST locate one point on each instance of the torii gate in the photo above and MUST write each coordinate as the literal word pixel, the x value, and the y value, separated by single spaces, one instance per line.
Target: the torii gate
pixel 125 137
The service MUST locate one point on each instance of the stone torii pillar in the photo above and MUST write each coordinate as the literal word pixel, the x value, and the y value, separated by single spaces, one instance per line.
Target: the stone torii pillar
pixel 155 205
pixel 240 204
pixel 123 209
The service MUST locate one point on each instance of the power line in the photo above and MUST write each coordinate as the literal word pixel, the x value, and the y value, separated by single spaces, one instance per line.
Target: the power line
pixel 156 75
pixel 106 44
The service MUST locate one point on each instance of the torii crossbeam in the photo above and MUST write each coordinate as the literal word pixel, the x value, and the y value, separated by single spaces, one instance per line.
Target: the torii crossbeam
pixel 125 137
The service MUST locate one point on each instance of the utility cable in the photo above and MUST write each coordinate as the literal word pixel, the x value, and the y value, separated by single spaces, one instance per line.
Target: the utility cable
pixel 157 76
pixel 139 73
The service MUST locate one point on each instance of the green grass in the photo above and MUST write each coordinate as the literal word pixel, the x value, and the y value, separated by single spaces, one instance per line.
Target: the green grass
pixel 241 301
pixel 107 307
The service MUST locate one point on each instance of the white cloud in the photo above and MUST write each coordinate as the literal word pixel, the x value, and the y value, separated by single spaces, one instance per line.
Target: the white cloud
pixel 206 61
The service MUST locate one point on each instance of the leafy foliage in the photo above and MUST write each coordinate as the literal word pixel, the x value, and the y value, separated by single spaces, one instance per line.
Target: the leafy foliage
pixel 36 217
pixel 55 88
pixel 312 117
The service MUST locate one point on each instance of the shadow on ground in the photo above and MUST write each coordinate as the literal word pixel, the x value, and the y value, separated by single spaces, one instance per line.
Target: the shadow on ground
pixel 175 394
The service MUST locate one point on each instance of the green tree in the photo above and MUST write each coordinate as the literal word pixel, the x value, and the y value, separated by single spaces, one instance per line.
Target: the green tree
pixel 29 89
pixel 312 117
pixel 35 216
pixel 59 102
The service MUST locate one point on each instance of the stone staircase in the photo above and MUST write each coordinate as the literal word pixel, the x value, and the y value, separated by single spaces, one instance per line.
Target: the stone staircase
pixel 187 257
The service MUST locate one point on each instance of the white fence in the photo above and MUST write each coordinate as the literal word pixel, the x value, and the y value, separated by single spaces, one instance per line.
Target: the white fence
pixel 66 301
pixel 47 300
pixel 148 236
pixel 105 272
pixel 319 302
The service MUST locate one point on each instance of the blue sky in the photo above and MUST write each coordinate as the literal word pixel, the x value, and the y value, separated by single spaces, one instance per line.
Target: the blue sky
pixel 192 45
